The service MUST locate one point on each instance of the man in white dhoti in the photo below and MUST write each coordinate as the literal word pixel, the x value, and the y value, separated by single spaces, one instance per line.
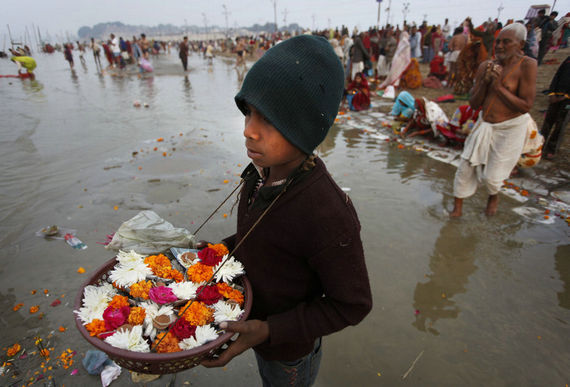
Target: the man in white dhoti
pixel 505 88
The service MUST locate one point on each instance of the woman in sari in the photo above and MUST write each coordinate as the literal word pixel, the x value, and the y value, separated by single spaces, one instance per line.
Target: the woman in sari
pixel 358 93
pixel 401 61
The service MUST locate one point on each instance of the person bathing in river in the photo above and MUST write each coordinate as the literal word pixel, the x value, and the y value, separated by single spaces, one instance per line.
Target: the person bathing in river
pixel 26 62
pixel 305 259
pixel 505 89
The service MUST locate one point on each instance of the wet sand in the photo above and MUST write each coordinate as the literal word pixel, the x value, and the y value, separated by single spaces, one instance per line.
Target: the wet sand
pixel 486 301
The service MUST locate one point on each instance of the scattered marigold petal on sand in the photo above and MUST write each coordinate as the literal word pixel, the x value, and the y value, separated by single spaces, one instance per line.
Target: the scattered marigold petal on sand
pixel 81 270
pixel 62 328
pixel 17 307
pixel 34 309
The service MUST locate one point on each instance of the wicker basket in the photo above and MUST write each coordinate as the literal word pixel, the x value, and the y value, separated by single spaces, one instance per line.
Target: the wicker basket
pixel 156 363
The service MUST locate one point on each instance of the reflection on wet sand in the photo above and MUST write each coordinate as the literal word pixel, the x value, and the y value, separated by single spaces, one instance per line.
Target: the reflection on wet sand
pixel 451 264
pixel 562 265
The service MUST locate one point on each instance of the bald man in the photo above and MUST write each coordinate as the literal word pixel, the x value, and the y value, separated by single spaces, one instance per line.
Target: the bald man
pixel 505 89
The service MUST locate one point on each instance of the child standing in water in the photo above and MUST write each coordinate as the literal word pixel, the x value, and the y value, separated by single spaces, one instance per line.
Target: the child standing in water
pixel 305 260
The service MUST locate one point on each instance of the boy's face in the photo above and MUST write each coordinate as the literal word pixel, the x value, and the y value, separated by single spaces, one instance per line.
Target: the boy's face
pixel 266 146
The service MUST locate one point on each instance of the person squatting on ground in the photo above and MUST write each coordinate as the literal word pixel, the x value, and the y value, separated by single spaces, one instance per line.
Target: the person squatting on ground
pixel 506 95
pixel 305 260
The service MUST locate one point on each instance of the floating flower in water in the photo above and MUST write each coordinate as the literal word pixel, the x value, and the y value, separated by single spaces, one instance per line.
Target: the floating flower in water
pixel 199 272
pixel 202 336
pixel 230 269
pixel 81 270
pixel 13 350
pixel 209 295
pixel 136 316
pixel 17 307
pixel 34 309
pixel 230 293
pixel 129 274
pixel 131 340
pixel 162 295
pixel 183 329
pixel 196 313
pixel 141 289
pixel 209 257
pixel 95 327
pixel 95 301
pixel 168 344
pixel 62 328
pixel 184 290
pixel 114 318
pixel 224 311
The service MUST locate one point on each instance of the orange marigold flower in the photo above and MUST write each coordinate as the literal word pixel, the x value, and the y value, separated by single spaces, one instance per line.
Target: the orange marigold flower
pixel 119 301
pixel 176 275
pixel 200 272
pixel 14 349
pixel 95 327
pixel 34 309
pixel 17 307
pixel 168 344
pixel 44 352
pixel 62 328
pixel 197 313
pixel 230 293
pixel 159 264
pixel 141 289
pixel 219 248
pixel 137 315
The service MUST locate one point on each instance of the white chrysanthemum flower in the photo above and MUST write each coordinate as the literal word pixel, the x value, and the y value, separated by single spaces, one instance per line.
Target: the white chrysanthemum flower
pixel 184 290
pixel 127 275
pixel 204 334
pixel 224 311
pixel 131 340
pixel 151 311
pixel 95 301
pixel 130 258
pixel 231 268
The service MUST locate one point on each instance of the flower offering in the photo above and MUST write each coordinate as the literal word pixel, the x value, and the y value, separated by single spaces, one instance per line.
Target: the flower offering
pixel 153 303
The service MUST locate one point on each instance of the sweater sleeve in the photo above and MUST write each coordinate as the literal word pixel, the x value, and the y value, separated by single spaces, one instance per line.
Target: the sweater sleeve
pixel 347 298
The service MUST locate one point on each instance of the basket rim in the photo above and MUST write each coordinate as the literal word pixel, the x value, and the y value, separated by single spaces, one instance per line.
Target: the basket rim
pixel 151 357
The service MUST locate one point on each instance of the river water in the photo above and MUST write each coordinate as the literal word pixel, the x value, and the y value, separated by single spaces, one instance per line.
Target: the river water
pixel 475 301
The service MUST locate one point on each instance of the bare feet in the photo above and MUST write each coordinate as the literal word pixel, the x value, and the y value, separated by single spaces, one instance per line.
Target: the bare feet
pixel 457 208
pixel 492 205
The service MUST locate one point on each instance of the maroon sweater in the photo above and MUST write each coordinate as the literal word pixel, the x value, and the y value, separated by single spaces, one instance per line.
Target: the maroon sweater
pixel 305 261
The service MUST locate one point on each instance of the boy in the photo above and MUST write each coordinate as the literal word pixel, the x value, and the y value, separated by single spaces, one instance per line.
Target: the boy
pixel 305 259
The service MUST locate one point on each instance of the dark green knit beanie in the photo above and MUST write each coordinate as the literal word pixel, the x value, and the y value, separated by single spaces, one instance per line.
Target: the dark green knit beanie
pixel 297 85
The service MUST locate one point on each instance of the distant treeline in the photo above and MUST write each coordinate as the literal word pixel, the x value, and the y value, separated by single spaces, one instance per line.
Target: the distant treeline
pixel 102 30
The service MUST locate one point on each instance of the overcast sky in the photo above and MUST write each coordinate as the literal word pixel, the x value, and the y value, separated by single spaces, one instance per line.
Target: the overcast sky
pixel 61 16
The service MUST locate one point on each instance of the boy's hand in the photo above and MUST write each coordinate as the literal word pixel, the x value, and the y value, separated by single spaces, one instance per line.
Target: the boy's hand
pixel 251 333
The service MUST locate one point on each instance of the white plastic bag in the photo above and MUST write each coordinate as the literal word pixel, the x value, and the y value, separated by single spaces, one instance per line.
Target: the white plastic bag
pixel 148 233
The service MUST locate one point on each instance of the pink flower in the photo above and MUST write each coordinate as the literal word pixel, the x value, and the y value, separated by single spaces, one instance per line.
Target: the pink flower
pixel 114 318
pixel 209 257
pixel 182 329
pixel 210 295
pixel 162 295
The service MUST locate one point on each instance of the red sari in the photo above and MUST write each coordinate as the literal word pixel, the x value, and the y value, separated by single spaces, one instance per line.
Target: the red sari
pixel 361 94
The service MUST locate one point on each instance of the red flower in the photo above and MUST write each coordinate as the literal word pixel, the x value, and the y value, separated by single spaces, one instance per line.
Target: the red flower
pixel 162 295
pixel 182 329
pixel 210 295
pixel 209 257
pixel 114 318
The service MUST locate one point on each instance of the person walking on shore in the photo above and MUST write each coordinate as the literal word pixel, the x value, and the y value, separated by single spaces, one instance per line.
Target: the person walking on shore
pixel 96 53
pixel 505 89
